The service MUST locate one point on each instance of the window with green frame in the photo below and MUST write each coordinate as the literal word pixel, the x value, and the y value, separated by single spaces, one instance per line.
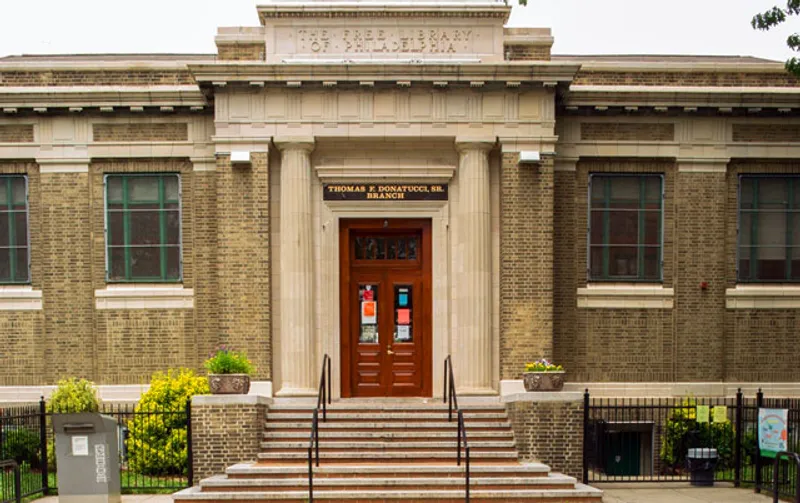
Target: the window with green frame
pixel 14 250
pixel 625 227
pixel 769 228
pixel 143 228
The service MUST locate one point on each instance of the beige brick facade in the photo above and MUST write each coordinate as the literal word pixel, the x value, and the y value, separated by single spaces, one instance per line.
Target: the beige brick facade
pixel 140 132
pixel 16 134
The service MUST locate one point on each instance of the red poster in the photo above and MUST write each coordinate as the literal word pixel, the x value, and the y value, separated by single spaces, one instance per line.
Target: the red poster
pixel 404 316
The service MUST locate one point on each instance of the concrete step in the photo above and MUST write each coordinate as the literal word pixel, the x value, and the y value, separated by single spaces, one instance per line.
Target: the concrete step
pixel 327 445
pixel 382 456
pixel 403 435
pixel 400 407
pixel 443 425
pixel 386 470
pixel 580 494
pixel 406 416
pixel 224 483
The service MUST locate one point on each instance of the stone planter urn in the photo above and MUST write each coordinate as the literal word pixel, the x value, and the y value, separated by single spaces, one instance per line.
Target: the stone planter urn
pixel 229 384
pixel 543 381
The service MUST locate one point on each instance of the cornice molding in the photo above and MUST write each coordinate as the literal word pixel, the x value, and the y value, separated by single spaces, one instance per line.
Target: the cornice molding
pixel 352 71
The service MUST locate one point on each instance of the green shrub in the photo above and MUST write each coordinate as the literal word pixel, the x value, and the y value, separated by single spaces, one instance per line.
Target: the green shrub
pixel 682 432
pixel 73 396
pixel 157 442
pixel 21 445
pixel 228 361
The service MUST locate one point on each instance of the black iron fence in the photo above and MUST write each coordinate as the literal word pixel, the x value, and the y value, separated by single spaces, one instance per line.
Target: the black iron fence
pixel 658 439
pixel 154 449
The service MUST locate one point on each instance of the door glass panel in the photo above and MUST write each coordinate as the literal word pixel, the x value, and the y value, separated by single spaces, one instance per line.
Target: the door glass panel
pixel 403 325
pixel 386 247
pixel 368 314
pixel 412 249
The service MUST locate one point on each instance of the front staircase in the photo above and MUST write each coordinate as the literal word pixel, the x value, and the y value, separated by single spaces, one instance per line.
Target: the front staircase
pixel 378 451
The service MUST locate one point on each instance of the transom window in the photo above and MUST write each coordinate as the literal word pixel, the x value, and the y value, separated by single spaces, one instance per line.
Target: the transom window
pixel 143 228
pixel 769 228
pixel 387 248
pixel 14 250
pixel 625 227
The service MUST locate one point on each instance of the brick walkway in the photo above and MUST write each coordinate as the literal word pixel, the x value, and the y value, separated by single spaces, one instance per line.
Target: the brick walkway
pixel 160 498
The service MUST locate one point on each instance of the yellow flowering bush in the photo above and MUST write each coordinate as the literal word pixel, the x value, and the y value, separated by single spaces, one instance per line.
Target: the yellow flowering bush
pixel 157 443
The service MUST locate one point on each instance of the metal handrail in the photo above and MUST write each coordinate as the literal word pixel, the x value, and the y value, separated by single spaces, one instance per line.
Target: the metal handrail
pixel 451 398
pixel 10 463
pixel 323 399
pixel 792 456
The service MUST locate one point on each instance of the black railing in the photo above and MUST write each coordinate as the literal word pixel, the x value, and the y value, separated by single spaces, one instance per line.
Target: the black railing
pixel 11 492
pixel 451 398
pixel 648 440
pixel 323 399
pixel 776 481
pixel 149 459
pixel 23 438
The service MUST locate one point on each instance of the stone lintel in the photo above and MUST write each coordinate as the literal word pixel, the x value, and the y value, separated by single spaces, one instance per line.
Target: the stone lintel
pixel 555 396
pixel 703 165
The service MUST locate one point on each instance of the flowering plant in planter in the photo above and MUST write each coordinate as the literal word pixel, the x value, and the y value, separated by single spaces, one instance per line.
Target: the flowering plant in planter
pixel 228 372
pixel 542 375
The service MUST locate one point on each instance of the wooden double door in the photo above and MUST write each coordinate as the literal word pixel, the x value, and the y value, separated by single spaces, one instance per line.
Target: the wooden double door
pixel 386 308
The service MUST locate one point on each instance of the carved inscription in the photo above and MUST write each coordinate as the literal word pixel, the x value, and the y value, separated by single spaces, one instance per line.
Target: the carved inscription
pixel 385 40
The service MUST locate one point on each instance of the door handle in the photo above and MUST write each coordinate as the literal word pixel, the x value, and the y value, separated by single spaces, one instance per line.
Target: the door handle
pixel 389 350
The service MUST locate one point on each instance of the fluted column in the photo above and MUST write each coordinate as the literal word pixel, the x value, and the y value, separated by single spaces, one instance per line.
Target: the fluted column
pixel 296 268
pixel 472 336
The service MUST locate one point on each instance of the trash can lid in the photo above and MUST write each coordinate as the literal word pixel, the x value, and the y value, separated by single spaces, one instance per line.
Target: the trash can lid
pixel 703 453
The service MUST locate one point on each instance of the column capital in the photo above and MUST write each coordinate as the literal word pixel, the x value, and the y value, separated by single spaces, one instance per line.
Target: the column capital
pixel 484 143
pixel 305 143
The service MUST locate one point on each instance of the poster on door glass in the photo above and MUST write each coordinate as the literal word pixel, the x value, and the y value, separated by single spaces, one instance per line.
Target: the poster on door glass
pixel 403 331
pixel 368 314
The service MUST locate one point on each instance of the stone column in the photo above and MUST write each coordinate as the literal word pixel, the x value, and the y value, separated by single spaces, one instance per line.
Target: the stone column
pixel 296 268
pixel 472 330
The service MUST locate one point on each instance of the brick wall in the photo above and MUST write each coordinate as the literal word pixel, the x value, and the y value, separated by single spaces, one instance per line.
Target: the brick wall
pixel 608 344
pixel 132 344
pixel 226 430
pixel 243 256
pixel 527 52
pixel 66 231
pixel 170 131
pixel 627 131
pixel 22 360
pixel 550 432
pixel 758 133
pixel 700 256
pixel 712 79
pixel 760 345
pixel 526 264
pixel 22 133
pixel 47 78
pixel 242 52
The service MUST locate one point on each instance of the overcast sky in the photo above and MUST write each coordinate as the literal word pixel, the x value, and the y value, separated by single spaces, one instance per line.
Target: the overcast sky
pixel 579 26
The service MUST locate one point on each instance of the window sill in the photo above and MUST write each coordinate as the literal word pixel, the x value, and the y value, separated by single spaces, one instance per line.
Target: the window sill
pixel 763 297
pixel 626 296
pixel 20 298
pixel 144 296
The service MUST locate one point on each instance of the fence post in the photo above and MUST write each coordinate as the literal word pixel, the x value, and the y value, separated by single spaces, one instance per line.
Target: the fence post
pixel 43 446
pixel 759 404
pixel 189 453
pixel 737 456
pixel 586 436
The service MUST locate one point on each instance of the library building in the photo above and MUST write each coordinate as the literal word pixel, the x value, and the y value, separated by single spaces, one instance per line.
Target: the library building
pixel 390 185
